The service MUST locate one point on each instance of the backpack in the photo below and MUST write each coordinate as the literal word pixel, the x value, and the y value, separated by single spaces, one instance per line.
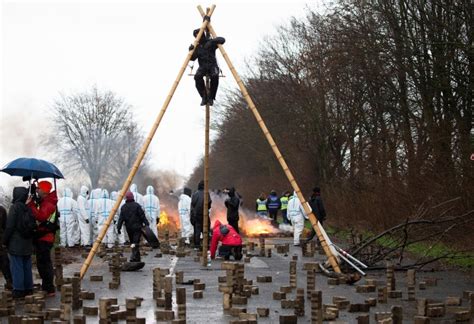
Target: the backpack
pixel 26 224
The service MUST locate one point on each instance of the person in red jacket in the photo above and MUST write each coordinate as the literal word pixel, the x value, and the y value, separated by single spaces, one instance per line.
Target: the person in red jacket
pixel 45 215
pixel 231 241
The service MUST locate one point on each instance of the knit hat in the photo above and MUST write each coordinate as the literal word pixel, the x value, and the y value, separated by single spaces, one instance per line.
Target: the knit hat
pixel 45 186
pixel 129 195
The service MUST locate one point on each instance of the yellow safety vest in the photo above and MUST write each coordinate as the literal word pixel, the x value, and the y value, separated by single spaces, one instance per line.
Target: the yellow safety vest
pixel 261 205
pixel 284 202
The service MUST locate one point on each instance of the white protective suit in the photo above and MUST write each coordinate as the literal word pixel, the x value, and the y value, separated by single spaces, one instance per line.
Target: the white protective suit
pixel 296 215
pixel 152 208
pixel 119 237
pixel 83 216
pixel 68 210
pixel 184 209
pixel 93 205
pixel 136 195
pixel 104 207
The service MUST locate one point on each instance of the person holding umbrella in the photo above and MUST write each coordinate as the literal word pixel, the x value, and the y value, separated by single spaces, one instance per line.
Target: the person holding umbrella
pixel 45 213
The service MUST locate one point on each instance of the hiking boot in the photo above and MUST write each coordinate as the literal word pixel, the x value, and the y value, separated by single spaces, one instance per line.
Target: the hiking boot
pixel 203 101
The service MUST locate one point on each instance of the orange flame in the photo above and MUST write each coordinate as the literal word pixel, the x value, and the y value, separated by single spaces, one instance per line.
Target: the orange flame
pixel 258 226
pixel 169 222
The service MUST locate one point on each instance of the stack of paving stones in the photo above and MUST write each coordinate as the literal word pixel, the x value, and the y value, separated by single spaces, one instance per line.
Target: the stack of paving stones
pixel 283 248
pixel 167 313
pixel 162 293
pixel 58 268
pixel 316 307
pixel 165 246
pixel 251 246
pixel 34 306
pixel 310 278
pixel 181 304
pixel 262 246
pixel 105 309
pixel 199 287
pixel 308 249
pixel 180 250
pixel 158 285
pixel 236 290
pixel 293 273
pixel 391 287
pixel 115 266
pixel 7 306
pixel 66 302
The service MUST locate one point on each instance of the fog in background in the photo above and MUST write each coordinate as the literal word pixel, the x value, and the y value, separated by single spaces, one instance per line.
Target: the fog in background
pixel 134 49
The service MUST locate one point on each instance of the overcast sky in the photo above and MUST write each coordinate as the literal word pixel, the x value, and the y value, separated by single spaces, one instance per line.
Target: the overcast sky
pixel 133 48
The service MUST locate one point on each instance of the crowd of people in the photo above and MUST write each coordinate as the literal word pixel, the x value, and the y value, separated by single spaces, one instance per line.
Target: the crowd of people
pixel 36 215
pixel 292 210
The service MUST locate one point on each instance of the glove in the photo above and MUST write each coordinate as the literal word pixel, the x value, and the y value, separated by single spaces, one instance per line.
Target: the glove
pixel 119 232
pixel 191 47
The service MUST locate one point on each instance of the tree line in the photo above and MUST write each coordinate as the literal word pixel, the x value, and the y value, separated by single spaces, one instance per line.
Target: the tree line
pixel 371 100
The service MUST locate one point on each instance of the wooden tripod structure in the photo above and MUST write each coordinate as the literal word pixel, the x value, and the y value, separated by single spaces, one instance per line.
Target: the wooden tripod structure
pixel 141 154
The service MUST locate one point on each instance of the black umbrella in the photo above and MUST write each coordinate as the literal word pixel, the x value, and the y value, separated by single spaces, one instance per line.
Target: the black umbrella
pixel 32 168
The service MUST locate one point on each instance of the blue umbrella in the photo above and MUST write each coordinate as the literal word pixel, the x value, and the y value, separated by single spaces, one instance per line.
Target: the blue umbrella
pixel 32 168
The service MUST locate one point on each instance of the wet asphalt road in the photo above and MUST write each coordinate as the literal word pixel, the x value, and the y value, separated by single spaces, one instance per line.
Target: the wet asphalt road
pixel 209 309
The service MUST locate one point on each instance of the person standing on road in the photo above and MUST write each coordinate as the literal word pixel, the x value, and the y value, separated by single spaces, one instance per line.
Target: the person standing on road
pixel 261 206
pixel 152 208
pixel 284 206
pixel 18 238
pixel 83 214
pixel 184 209
pixel 233 203
pixel 273 205
pixel 45 212
pixel 297 216
pixel 317 206
pixel 4 261
pixel 197 213
pixel 68 222
pixel 133 216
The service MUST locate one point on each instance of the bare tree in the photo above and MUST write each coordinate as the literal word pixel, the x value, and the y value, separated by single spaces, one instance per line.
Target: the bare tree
pixel 95 133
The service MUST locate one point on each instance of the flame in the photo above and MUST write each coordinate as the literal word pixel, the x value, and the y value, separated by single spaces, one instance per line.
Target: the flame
pixel 258 226
pixel 168 221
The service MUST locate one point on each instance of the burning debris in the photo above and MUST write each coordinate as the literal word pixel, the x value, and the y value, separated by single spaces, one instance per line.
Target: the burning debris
pixel 250 224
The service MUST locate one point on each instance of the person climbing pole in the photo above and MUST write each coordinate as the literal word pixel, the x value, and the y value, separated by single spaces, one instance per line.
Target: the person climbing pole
pixel 205 53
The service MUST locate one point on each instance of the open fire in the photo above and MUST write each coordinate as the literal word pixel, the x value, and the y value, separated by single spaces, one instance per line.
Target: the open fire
pixel 250 225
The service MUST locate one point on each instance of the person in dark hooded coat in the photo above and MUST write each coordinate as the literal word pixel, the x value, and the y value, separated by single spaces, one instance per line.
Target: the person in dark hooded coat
pixel 4 261
pixel 205 53
pixel 133 215
pixel 19 244
pixel 197 213
pixel 232 203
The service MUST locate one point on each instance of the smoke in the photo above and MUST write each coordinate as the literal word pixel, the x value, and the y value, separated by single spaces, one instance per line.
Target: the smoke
pixel 249 223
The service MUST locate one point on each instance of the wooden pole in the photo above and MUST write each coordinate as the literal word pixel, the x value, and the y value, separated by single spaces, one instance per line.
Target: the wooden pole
pixel 332 259
pixel 142 152
pixel 205 223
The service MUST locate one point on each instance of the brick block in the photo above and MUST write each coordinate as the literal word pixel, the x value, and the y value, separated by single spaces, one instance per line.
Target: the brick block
pixel 263 312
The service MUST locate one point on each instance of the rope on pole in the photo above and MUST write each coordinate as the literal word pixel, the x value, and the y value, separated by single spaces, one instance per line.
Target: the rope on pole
pixel 313 220
pixel 142 152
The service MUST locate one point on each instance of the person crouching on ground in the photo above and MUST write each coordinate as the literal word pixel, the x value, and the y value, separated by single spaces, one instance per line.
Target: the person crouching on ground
pixel 18 238
pixel 231 241
pixel 133 215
